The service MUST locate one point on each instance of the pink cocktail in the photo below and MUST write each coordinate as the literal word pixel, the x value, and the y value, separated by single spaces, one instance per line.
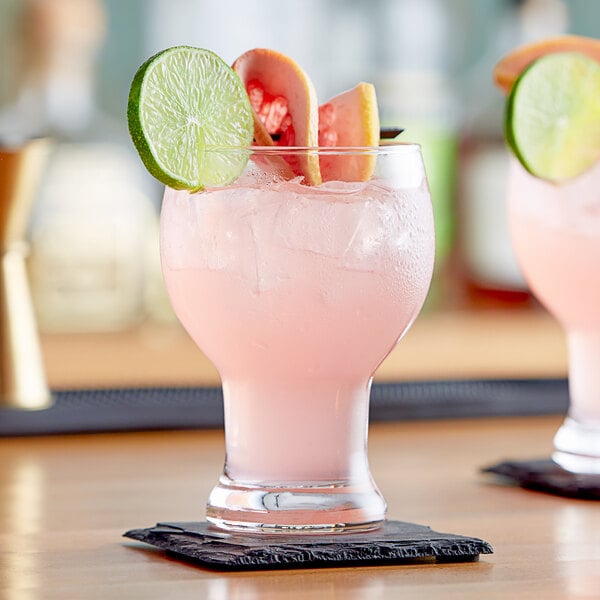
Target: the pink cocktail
pixel 297 293
pixel 556 234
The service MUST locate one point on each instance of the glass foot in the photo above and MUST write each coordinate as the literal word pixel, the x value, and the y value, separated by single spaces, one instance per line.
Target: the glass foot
pixel 335 507
pixel 577 447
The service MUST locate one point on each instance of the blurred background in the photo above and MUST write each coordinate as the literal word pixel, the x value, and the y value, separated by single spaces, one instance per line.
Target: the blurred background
pixel 65 73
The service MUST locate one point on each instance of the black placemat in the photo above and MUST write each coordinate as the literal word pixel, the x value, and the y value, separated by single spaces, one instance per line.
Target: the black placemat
pixel 134 409
pixel 544 475
pixel 395 542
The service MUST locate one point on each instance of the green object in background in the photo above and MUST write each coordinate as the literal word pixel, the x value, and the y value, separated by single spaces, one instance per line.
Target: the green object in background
pixel 440 151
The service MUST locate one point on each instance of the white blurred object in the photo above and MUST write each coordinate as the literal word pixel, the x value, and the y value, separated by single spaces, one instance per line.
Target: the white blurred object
pixel 542 18
pixel 59 45
pixel 89 241
pixel 91 264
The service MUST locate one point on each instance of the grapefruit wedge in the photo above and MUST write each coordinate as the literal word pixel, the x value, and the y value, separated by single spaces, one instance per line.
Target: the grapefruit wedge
pixel 349 119
pixel 513 64
pixel 285 106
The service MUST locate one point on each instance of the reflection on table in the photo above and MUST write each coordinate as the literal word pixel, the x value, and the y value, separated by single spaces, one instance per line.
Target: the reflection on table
pixel 67 500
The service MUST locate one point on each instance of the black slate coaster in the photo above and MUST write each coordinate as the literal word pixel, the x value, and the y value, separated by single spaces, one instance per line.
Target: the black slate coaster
pixel 546 476
pixel 395 542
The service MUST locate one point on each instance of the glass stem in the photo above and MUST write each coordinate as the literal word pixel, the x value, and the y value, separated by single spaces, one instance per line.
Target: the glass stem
pixel 290 432
pixel 584 376
pixel 577 442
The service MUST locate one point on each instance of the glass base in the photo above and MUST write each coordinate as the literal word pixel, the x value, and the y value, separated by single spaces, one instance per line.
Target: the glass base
pixel 577 447
pixel 335 507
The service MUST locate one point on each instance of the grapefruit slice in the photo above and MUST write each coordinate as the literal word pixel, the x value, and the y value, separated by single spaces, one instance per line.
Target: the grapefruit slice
pixel 513 64
pixel 285 106
pixel 349 119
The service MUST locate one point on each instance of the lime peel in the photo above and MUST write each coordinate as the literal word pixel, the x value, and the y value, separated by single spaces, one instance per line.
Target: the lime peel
pixel 190 118
pixel 552 118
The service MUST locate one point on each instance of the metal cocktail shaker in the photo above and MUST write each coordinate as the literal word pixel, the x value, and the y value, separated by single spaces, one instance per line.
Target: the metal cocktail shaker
pixel 22 375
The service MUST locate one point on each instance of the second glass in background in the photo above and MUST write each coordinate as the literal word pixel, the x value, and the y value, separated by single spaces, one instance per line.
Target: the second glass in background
pixel 556 234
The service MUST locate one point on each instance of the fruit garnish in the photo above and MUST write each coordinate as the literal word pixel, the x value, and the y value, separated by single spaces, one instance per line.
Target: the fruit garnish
pixel 186 105
pixel 286 113
pixel 552 119
pixel 349 119
pixel 284 104
pixel 513 64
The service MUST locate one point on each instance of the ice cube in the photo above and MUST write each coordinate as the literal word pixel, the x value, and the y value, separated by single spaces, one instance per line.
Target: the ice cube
pixel 269 265
pixel 317 223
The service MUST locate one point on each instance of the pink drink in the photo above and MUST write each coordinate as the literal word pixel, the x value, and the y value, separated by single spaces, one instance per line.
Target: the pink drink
pixel 556 233
pixel 297 294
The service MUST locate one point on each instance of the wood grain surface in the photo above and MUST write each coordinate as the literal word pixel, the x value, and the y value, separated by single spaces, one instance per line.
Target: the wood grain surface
pixel 65 501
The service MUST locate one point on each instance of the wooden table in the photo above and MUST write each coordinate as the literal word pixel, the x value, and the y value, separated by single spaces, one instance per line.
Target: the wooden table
pixel 65 501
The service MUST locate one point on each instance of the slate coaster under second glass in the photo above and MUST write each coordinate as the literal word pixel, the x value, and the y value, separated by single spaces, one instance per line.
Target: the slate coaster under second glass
pixel 546 476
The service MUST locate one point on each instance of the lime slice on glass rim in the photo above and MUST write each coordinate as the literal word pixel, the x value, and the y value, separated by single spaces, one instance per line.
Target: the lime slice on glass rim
pixel 552 119
pixel 186 107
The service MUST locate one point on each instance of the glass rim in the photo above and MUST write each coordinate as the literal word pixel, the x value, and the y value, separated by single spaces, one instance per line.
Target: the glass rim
pixel 384 148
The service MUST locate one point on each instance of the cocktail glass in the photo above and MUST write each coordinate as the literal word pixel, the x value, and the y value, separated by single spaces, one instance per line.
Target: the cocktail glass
pixel 556 235
pixel 297 293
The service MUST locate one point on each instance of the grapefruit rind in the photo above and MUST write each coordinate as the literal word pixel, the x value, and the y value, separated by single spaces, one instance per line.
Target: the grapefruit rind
pixel 356 124
pixel 552 118
pixel 184 104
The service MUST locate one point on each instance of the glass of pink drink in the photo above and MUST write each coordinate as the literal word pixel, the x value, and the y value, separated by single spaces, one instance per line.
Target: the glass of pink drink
pixel 556 234
pixel 297 293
